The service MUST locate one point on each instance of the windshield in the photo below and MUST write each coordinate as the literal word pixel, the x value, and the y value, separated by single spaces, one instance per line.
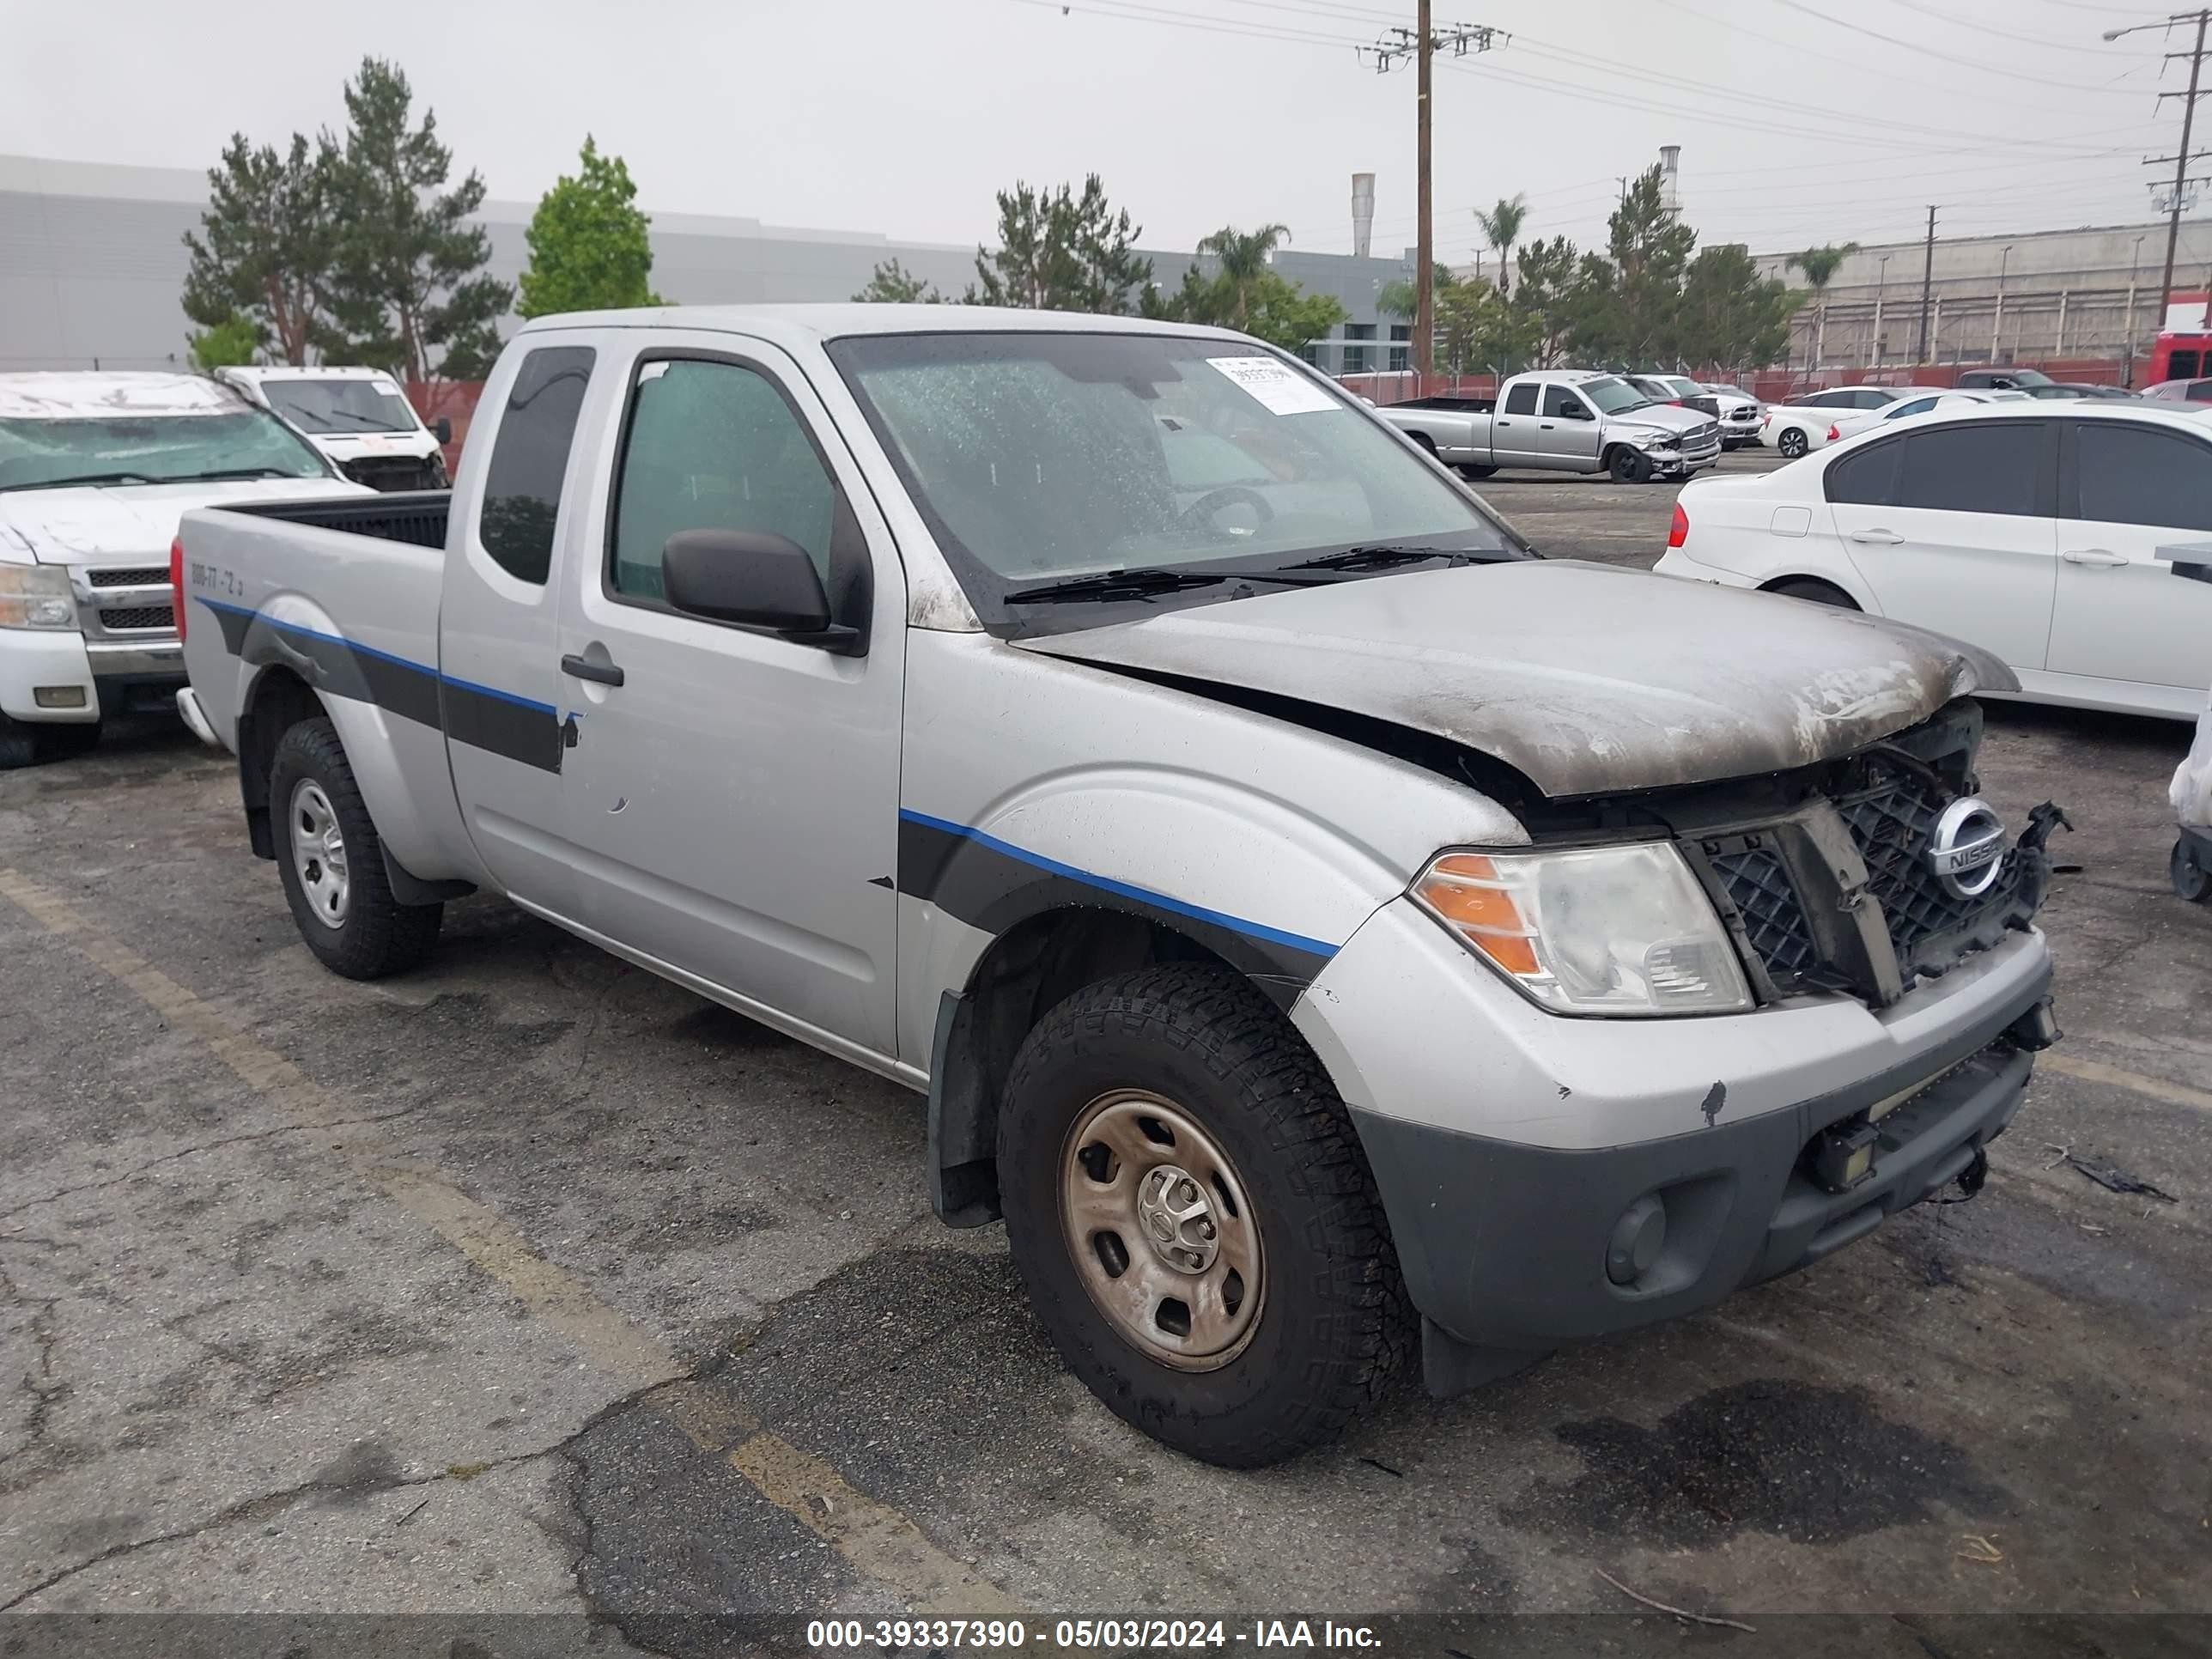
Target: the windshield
pixel 1041 458
pixel 341 405
pixel 153 449
pixel 1681 386
pixel 1613 397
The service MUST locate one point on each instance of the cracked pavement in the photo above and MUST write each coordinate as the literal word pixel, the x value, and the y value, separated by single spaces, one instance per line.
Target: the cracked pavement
pixel 242 1371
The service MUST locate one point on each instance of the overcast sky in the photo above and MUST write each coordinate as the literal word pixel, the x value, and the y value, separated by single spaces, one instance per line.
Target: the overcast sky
pixel 1797 124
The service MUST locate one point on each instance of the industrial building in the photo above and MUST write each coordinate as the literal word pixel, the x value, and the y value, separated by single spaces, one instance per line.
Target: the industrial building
pixel 93 260
pixel 2023 297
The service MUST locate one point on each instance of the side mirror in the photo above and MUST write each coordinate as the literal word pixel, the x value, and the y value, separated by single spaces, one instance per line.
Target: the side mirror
pixel 754 578
pixel 1573 412
pixel 443 430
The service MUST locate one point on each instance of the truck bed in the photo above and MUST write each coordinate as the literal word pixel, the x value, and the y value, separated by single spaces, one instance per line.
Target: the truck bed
pixel 1454 405
pixel 416 518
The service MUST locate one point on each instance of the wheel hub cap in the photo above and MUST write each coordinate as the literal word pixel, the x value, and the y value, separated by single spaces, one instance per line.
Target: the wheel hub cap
pixel 319 854
pixel 1161 1229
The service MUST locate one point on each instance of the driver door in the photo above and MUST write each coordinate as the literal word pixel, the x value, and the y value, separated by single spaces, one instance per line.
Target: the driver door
pixel 1568 432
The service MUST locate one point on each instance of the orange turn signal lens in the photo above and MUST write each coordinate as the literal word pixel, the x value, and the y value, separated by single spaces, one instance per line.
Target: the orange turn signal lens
pixel 1465 891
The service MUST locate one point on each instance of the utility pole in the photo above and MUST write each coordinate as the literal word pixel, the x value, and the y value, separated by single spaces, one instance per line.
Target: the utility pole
pixel 1421 43
pixel 2181 158
pixel 1926 288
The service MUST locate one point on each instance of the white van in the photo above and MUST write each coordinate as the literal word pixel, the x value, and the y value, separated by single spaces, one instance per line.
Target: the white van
pixel 359 417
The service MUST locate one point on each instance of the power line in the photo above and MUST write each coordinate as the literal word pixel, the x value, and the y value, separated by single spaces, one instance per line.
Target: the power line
pixel 1929 51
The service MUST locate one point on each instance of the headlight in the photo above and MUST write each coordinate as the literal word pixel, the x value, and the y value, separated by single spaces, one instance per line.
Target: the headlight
pixel 1599 930
pixel 35 596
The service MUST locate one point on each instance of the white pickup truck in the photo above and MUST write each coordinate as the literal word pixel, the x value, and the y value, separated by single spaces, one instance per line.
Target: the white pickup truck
pixel 1569 420
pixel 95 468
pixel 1320 926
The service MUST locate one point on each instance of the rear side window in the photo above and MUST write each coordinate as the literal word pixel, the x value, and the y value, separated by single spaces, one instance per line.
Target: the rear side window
pixel 2201 392
pixel 1992 468
pixel 1522 400
pixel 714 445
pixel 529 458
pixel 2181 366
pixel 2133 474
pixel 1874 399
pixel 1867 477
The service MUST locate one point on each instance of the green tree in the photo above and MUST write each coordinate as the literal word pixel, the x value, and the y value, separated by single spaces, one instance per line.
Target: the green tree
pixel 1553 301
pixel 1649 250
pixel 1818 266
pixel 1501 228
pixel 408 285
pixel 1398 300
pixel 262 250
pixel 892 283
pixel 1242 255
pixel 1730 315
pixel 589 246
pixel 1061 251
pixel 1478 330
pixel 1274 308
pixel 231 344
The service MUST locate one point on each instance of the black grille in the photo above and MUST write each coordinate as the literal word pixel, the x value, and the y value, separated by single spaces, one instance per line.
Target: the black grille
pixel 139 616
pixel 1773 919
pixel 1894 826
pixel 132 577
pixel 393 472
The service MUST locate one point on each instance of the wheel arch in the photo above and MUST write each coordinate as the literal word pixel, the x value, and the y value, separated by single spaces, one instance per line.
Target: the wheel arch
pixel 1856 600
pixel 1022 975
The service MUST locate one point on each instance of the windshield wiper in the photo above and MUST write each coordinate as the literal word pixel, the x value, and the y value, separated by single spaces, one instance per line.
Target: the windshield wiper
pixel 1380 556
pixel 85 478
pixel 231 472
pixel 368 422
pixel 1137 584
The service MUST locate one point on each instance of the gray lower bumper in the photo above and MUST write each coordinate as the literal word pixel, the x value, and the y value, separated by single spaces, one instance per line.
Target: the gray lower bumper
pixel 195 717
pixel 1504 1246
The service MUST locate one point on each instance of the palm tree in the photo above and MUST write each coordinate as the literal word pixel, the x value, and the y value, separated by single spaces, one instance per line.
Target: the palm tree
pixel 1501 228
pixel 1243 257
pixel 1819 265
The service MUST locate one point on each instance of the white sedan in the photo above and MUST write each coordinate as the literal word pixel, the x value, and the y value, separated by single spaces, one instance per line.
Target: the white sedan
pixel 2061 537
pixel 1808 422
pixel 1905 408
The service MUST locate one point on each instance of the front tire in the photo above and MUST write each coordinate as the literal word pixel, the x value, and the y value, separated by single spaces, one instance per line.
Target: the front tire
pixel 2191 880
pixel 1629 466
pixel 1196 1223
pixel 1793 444
pixel 331 862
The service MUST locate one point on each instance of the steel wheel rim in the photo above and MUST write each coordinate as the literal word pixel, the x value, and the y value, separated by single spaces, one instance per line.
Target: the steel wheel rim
pixel 1161 1230
pixel 319 854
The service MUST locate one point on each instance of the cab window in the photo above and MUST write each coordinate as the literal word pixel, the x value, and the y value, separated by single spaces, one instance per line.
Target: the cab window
pixel 1561 404
pixel 1522 400
pixel 713 445
pixel 529 459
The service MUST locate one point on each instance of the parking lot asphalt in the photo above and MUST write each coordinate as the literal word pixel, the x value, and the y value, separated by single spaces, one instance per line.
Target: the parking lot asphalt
pixel 530 1283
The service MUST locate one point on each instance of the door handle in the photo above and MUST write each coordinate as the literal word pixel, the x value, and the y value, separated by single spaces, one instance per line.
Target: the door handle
pixel 1878 537
pixel 2099 556
pixel 1544 426
pixel 584 669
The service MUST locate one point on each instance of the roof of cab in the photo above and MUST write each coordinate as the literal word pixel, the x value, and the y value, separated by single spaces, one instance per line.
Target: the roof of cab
pixel 788 323
pixel 70 394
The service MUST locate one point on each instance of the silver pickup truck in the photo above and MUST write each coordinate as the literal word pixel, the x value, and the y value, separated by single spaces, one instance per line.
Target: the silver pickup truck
pixel 1562 421
pixel 1322 929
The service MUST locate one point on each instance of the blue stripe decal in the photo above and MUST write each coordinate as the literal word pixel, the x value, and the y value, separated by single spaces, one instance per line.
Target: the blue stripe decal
pixel 1142 895
pixel 453 680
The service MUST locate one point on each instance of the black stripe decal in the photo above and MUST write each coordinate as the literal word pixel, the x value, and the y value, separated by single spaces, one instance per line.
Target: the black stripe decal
pixel 496 721
pixel 990 885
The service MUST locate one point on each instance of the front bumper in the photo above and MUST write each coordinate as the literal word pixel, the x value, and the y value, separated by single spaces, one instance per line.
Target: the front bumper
pixel 1506 1247
pixel 1681 462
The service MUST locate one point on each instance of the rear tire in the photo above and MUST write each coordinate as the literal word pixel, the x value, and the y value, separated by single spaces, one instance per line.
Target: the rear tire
pixel 1811 587
pixel 1186 1064
pixel 1426 442
pixel 19 744
pixel 2191 880
pixel 1793 444
pixel 331 862
pixel 1477 474
pixel 1629 466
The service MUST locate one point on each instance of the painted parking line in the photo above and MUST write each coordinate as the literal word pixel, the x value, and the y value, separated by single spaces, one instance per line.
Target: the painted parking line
pixel 2157 1088
pixel 880 1541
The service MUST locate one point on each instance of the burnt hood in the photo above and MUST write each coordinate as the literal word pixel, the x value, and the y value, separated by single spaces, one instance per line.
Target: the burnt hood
pixel 1588 679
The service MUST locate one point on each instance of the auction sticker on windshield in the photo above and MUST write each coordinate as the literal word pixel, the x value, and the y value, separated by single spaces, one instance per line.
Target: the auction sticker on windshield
pixel 1277 386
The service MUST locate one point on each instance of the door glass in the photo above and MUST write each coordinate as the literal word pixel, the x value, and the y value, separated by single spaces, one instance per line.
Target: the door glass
pixel 1867 477
pixel 1521 400
pixel 2181 366
pixel 714 445
pixel 2134 474
pixel 1993 468
pixel 1561 404
pixel 529 458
